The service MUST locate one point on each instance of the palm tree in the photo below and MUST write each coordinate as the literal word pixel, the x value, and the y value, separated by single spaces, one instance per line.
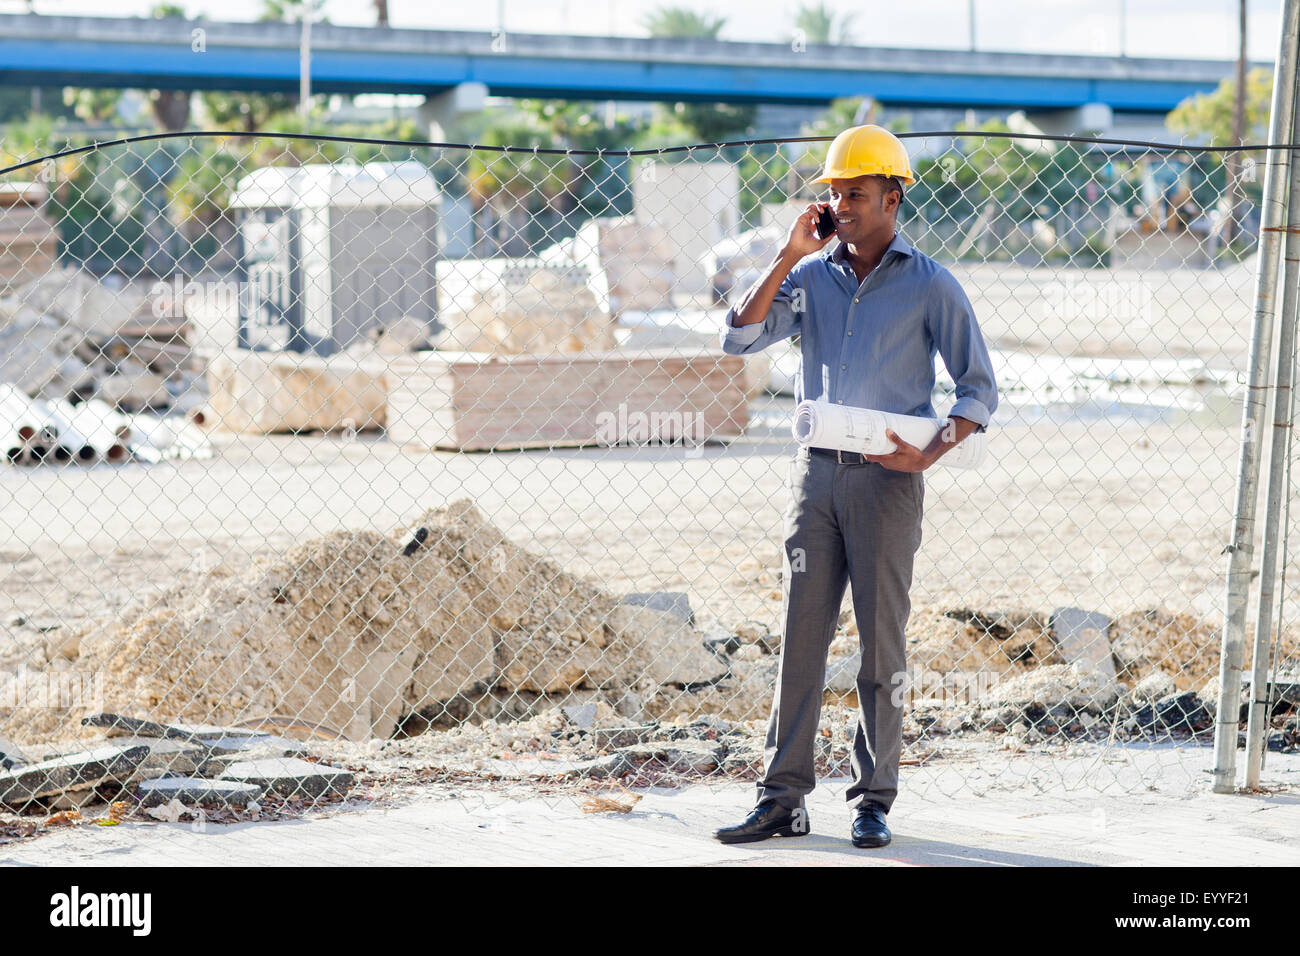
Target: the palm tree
pixel 705 122
pixel 682 23
pixel 819 24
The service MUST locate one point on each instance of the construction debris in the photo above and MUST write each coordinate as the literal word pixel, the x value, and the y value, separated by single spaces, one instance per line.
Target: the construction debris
pixel 290 777
pixel 152 793
pixel 80 365
pixel 65 335
pixel 79 771
pixel 347 631
pixel 1084 637
pixel 121 725
pixel 676 603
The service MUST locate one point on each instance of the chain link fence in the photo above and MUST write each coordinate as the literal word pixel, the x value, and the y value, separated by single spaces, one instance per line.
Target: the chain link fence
pixel 403 465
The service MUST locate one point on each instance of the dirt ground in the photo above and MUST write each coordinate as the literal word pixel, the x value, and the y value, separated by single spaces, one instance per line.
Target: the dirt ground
pixel 1112 515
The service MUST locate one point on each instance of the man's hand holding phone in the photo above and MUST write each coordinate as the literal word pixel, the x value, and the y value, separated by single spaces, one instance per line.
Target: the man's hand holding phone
pixel 811 231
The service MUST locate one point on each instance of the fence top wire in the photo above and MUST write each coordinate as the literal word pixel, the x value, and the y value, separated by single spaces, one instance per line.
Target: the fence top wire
pixel 650 151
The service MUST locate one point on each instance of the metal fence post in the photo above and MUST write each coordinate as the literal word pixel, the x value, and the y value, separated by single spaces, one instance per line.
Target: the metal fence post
pixel 1273 221
pixel 1283 403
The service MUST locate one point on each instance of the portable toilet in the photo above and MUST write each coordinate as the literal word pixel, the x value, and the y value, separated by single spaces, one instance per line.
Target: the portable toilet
pixel 329 251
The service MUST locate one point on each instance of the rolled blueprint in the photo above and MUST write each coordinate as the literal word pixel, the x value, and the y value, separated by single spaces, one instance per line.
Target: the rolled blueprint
pixel 845 428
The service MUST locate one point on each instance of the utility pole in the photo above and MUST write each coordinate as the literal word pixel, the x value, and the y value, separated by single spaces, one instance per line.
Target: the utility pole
pixel 1123 28
pixel 1238 127
pixel 304 63
pixel 970 20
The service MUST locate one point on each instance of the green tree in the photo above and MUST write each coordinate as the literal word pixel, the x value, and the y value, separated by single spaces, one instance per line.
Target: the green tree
pixel 1208 116
pixel 290 11
pixel 819 24
pixel 92 105
pixel 695 122
pixel 682 23
pixel 244 111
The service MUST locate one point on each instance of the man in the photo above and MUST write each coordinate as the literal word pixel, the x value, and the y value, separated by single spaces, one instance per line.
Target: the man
pixel 871 313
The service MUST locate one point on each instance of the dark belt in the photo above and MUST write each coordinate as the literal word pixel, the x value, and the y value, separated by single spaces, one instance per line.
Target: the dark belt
pixel 839 457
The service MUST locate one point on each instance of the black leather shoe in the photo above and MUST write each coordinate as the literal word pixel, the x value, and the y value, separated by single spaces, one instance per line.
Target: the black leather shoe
pixel 869 826
pixel 766 820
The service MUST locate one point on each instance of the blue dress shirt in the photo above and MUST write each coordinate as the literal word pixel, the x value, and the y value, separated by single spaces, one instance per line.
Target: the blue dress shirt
pixel 872 345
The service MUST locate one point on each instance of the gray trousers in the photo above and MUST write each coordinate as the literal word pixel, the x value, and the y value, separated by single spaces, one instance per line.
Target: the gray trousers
pixel 855 524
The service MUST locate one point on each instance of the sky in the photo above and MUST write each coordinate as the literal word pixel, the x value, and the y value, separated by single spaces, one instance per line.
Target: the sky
pixel 1169 28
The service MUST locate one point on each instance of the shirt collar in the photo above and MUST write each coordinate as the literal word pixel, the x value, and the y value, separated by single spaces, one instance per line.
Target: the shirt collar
pixel 898 244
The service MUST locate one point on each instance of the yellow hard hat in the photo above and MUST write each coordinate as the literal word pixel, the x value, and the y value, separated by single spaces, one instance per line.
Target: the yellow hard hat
pixel 866 151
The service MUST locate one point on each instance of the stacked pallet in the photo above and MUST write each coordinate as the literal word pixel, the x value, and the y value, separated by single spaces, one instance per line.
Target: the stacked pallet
pixel 28 238
pixel 470 401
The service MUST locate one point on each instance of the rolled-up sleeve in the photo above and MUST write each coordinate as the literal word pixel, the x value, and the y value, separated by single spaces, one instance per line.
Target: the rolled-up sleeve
pixel 781 322
pixel 957 337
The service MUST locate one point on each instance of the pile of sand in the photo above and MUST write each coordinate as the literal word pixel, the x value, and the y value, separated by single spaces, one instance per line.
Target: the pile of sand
pixel 350 632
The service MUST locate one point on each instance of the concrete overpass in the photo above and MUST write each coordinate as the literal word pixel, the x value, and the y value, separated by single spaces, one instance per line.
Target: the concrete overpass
pixel 168 54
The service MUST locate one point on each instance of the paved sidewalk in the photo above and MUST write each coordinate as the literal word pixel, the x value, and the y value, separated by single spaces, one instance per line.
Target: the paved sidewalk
pixel 1023 824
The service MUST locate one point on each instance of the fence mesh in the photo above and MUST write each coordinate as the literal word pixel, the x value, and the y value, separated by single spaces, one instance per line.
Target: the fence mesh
pixel 422 465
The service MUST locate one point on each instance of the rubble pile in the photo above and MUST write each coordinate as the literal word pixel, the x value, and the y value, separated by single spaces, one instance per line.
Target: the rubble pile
pixel 67 336
pixel 166 770
pixel 1012 672
pixel 80 362
pixel 356 629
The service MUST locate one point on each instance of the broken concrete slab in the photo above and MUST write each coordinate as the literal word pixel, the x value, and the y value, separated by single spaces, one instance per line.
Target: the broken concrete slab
pixel 167 756
pixel 120 725
pixel 291 777
pixel 638 644
pixel 1083 637
pixel 220 753
pixel 191 790
pixel 676 603
pixel 75 771
pixel 273 744
pixel 209 732
pixel 683 756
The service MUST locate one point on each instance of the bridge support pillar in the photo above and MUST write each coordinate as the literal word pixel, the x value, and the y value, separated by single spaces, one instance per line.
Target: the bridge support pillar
pixel 1088 118
pixel 439 113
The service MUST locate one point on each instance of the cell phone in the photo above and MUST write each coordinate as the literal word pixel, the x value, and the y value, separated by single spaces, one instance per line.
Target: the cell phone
pixel 825 224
